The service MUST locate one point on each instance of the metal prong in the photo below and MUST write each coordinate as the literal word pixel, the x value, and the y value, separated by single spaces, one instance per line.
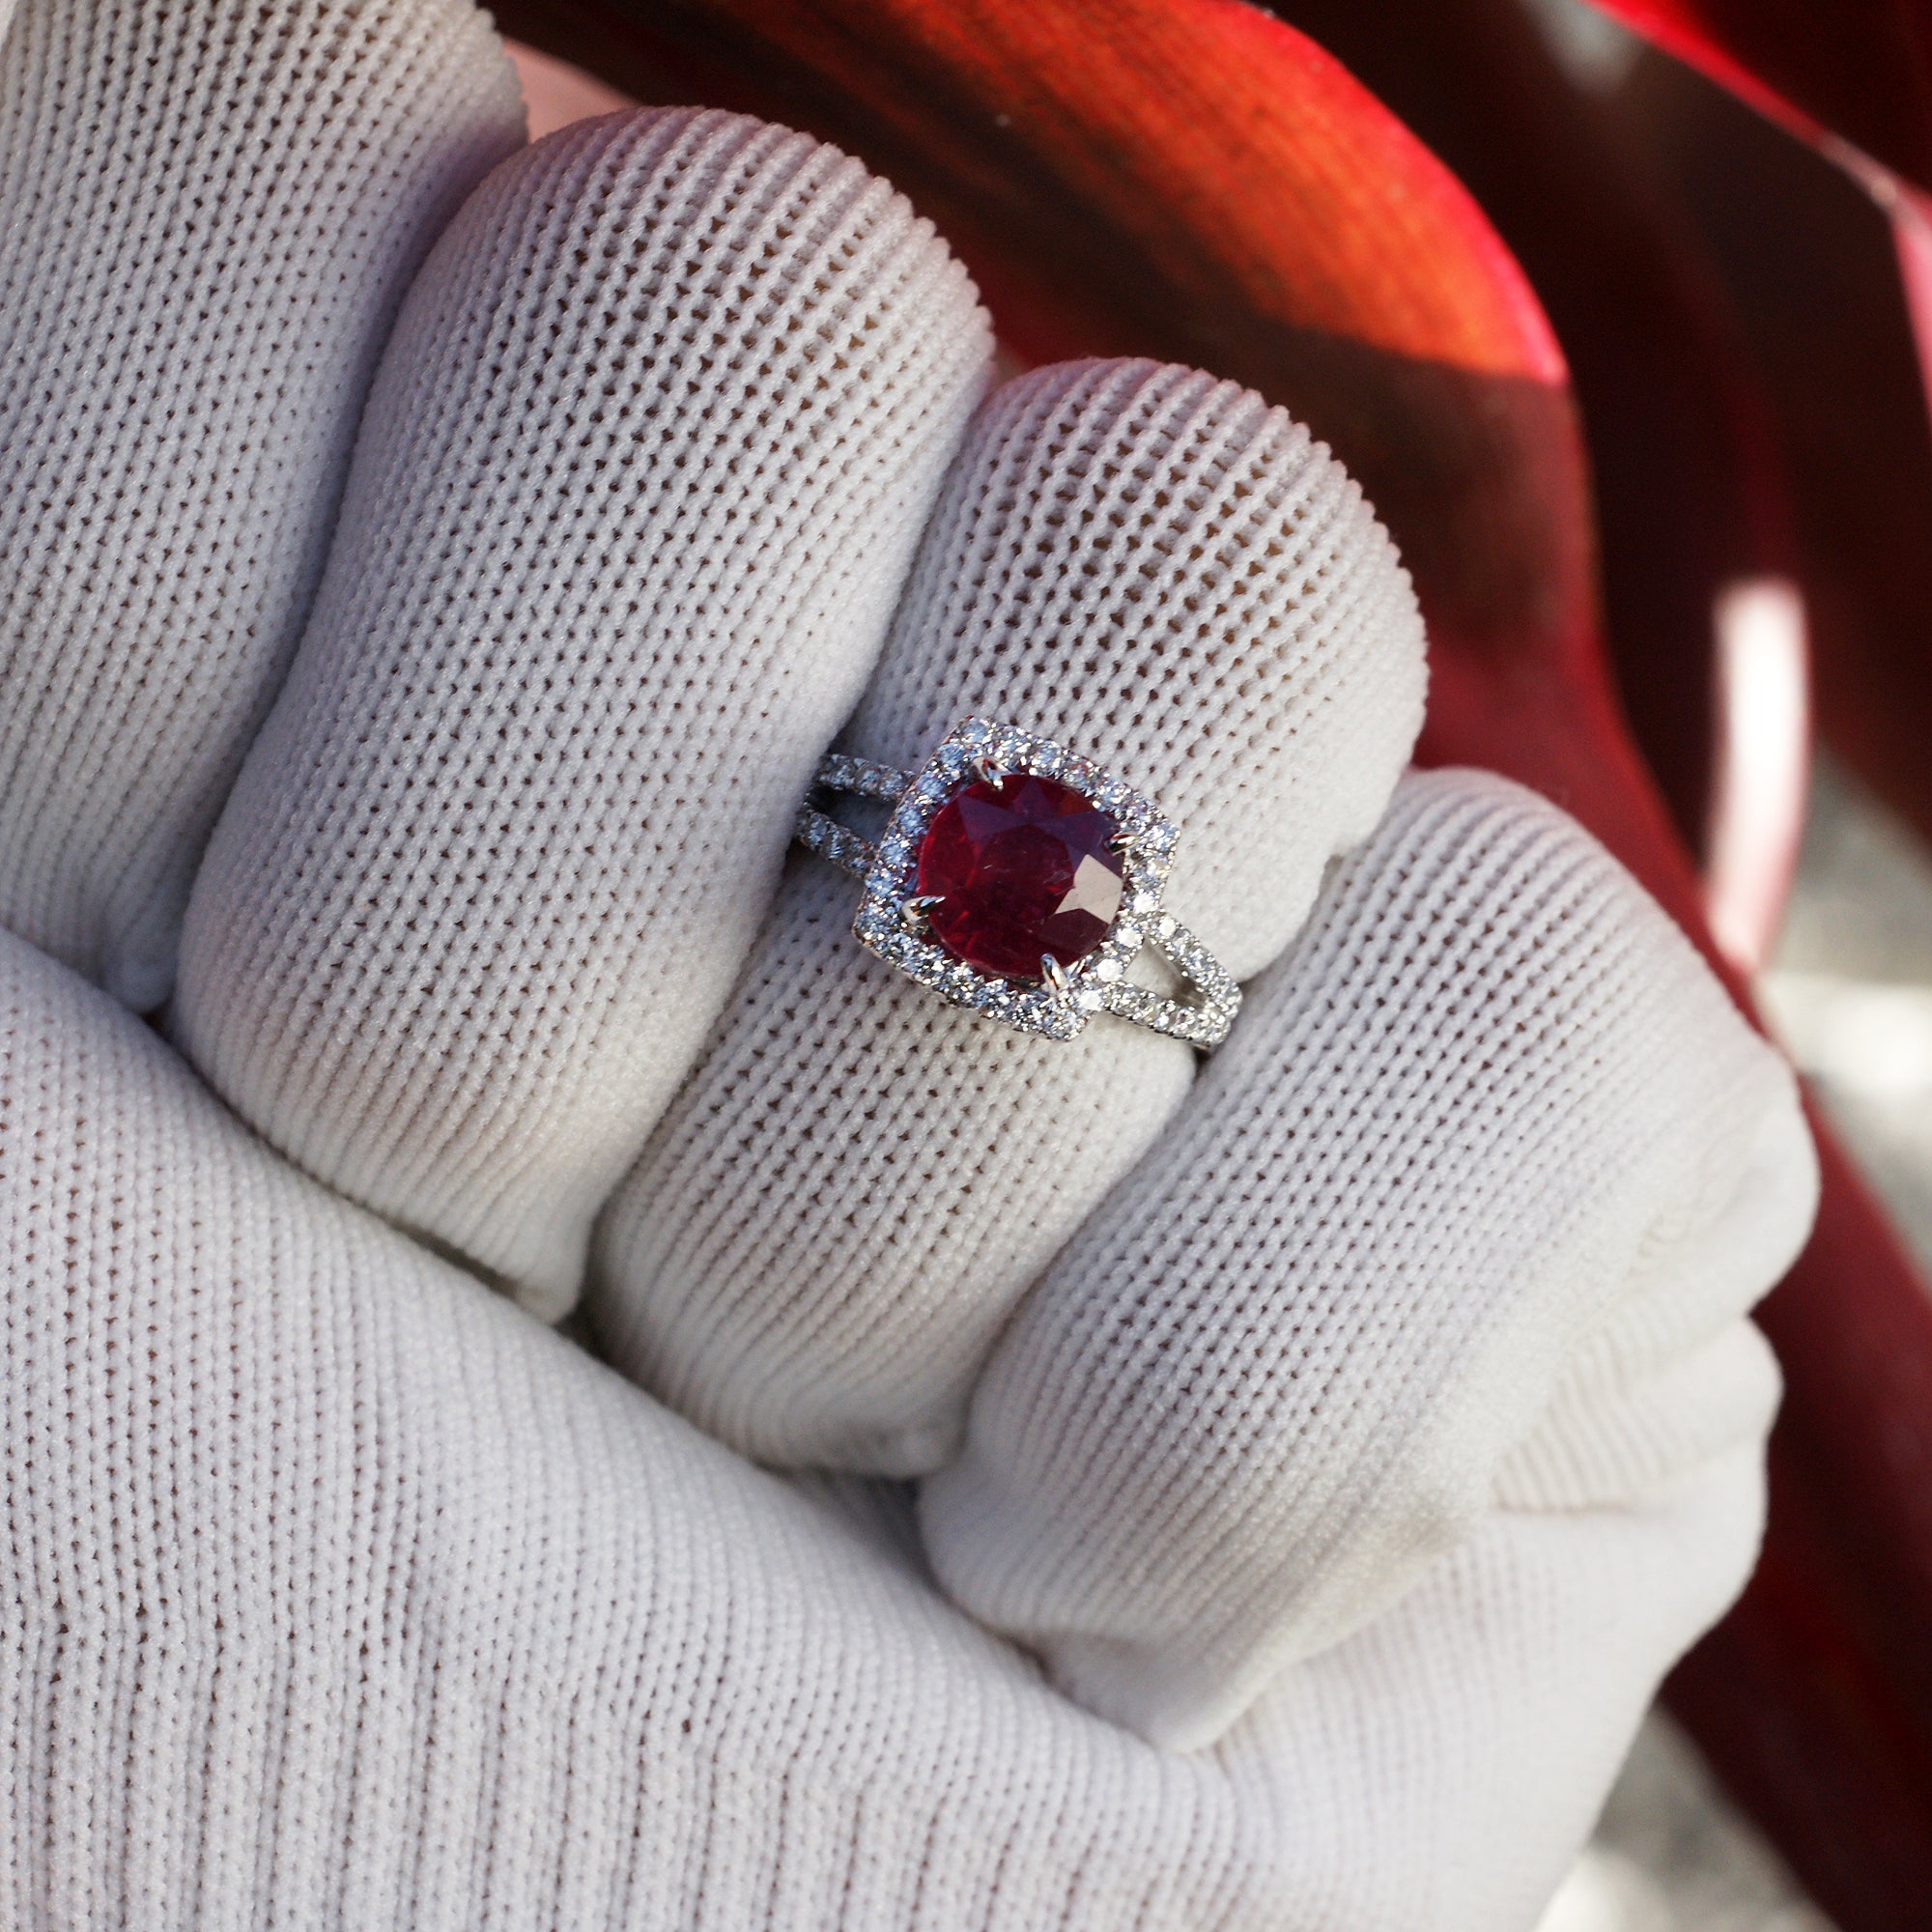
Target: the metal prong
pixel 1055 974
pixel 1124 841
pixel 989 773
pixel 913 912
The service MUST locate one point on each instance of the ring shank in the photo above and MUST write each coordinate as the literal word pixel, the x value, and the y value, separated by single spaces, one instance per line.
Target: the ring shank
pixel 1205 1025
pixel 820 833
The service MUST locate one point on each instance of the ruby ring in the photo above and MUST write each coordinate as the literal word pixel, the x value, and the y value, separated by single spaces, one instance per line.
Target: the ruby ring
pixel 1017 878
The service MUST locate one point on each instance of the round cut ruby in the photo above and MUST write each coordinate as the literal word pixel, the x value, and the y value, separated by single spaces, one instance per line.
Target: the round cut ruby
pixel 1020 867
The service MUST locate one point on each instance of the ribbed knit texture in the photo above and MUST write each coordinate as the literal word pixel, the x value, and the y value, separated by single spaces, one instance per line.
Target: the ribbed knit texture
pixel 1389 1421
pixel 641 472
pixel 1492 1106
pixel 207 215
pixel 335 1592
pixel 858 1184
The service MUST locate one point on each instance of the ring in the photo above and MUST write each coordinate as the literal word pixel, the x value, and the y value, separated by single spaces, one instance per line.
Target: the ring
pixel 1020 879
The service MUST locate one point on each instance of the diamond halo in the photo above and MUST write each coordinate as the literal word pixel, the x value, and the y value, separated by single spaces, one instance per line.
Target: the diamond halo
pixel 1059 1004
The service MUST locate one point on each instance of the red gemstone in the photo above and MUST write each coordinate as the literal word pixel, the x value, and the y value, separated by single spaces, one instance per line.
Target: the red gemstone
pixel 1020 867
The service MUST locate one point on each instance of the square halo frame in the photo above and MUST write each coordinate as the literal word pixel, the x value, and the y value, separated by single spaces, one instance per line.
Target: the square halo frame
pixel 881 922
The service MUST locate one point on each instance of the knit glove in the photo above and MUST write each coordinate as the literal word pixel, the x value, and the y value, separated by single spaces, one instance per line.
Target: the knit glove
pixel 1026 1483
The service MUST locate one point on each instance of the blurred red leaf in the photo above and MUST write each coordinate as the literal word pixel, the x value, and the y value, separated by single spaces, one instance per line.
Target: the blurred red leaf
pixel 1692 498
pixel 1844 337
pixel 1192 180
pixel 1812 264
pixel 1860 70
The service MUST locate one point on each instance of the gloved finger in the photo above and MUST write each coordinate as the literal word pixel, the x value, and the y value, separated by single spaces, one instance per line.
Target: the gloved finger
pixel 1443 1767
pixel 1623 1419
pixel 1166 576
pixel 638 480
pixel 1490 1152
pixel 207 217
pixel 339 1593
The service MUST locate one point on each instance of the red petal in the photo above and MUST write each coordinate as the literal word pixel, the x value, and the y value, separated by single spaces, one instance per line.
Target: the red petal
pixel 1860 70
pixel 1813 270
pixel 1692 496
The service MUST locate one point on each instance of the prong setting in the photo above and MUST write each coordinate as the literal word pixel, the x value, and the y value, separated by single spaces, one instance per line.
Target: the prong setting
pixel 891 918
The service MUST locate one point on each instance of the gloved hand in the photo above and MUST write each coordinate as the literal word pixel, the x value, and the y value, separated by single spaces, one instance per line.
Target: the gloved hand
pixel 1261 1493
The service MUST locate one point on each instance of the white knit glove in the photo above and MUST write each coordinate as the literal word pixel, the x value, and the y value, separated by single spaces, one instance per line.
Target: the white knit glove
pixel 1350 1430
